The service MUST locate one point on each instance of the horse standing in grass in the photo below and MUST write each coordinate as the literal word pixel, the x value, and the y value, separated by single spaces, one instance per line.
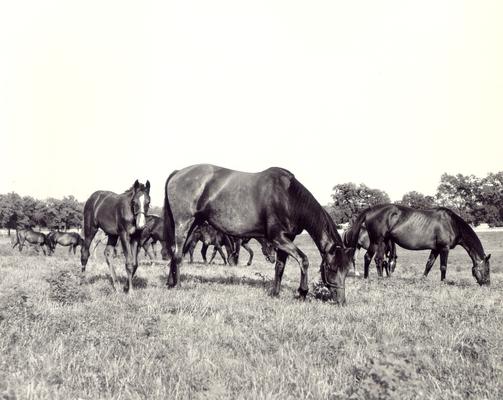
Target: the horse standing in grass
pixel 152 233
pixel 271 204
pixel 119 216
pixel 364 243
pixel 71 239
pixel 268 249
pixel 32 237
pixel 438 229
pixel 210 236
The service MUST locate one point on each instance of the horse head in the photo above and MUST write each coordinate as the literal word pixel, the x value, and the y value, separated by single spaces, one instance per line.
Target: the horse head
pixel 140 202
pixel 481 271
pixel 334 267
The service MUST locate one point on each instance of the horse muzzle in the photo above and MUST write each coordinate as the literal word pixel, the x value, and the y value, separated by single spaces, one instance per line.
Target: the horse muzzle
pixel 339 294
pixel 140 220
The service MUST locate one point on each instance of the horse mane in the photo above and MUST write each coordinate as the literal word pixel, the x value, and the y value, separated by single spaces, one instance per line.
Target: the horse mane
pixel 310 214
pixel 465 230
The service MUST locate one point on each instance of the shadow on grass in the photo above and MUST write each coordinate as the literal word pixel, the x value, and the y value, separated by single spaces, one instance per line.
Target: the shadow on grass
pixel 261 281
pixel 138 283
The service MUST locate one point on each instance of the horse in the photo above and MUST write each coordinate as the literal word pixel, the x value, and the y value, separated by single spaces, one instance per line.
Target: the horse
pixel 268 249
pixel 364 242
pixel 119 216
pixel 71 239
pixel 210 236
pixel 438 229
pixel 271 204
pixel 32 237
pixel 152 233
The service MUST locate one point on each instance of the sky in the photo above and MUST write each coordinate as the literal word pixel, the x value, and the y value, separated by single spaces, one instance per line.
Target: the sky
pixel 96 94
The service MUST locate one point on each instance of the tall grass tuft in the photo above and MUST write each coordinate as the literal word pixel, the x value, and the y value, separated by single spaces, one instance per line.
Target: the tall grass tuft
pixel 67 287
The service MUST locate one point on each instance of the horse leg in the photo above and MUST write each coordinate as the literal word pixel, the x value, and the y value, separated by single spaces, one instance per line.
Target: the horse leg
pixel 247 247
pixel 181 234
pixel 204 250
pixel 111 242
pixel 154 252
pixel 379 258
pixel 444 254
pixel 279 268
pixel 146 247
pixel 220 251
pixel 89 233
pixel 392 256
pixel 213 254
pixel 135 249
pixel 126 242
pixel 355 259
pixel 286 245
pixel 368 258
pixel 431 260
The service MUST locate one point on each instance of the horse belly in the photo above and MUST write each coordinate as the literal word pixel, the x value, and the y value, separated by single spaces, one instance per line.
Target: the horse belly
pixel 413 240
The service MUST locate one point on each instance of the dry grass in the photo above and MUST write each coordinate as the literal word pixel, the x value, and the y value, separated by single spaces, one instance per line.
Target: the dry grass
pixel 219 335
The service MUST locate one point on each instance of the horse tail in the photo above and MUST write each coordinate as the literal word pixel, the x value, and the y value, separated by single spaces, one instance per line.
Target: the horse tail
pixel 169 221
pixel 351 237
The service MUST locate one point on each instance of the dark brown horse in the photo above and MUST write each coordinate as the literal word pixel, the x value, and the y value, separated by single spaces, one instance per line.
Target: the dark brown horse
pixel 271 204
pixel 364 243
pixel 438 229
pixel 268 249
pixel 152 233
pixel 119 216
pixel 210 236
pixel 71 239
pixel 38 239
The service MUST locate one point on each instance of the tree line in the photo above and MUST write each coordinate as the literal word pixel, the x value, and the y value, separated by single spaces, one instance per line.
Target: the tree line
pixel 477 200
pixel 28 212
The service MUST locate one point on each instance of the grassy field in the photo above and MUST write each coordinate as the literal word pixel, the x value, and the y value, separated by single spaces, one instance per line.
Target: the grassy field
pixel 219 335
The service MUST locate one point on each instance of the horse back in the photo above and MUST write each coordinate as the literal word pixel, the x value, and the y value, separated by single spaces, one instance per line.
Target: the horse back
pixel 102 211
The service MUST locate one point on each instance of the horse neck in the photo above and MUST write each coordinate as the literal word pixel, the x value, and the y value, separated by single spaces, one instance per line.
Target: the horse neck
pixel 471 242
pixel 321 229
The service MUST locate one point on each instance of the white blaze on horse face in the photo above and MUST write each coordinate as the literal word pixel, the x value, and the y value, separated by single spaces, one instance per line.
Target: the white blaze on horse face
pixel 141 216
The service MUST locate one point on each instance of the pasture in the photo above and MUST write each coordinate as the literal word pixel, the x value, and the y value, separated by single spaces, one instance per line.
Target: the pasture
pixel 219 335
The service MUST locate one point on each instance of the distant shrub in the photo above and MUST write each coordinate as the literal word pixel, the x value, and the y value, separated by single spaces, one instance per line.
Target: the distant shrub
pixel 66 287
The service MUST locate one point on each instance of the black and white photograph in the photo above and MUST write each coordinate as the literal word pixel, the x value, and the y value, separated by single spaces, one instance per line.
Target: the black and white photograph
pixel 251 199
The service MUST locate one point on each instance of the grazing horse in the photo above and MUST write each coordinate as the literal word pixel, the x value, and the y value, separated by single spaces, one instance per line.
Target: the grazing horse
pixel 71 239
pixel 119 216
pixel 268 249
pixel 210 236
pixel 32 237
pixel 271 204
pixel 364 243
pixel 438 229
pixel 152 233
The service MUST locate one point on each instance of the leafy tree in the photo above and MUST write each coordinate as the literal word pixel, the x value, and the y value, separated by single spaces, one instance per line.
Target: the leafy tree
pixel 350 199
pixel 491 196
pixel 417 200
pixel 462 194
pixel 10 211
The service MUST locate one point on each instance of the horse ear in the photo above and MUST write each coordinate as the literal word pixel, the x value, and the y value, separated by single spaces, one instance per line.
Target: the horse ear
pixel 488 257
pixel 136 185
pixel 147 186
